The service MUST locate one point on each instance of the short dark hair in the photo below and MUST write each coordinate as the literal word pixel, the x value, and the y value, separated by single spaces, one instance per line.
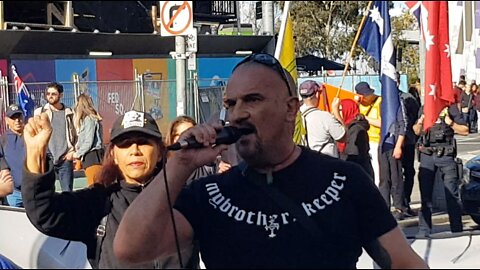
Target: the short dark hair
pixel 55 85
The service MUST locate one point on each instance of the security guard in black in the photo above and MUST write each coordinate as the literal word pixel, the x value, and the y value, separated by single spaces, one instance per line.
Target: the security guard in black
pixel 437 151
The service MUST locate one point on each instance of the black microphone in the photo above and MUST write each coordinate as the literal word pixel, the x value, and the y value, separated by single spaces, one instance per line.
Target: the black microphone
pixel 227 135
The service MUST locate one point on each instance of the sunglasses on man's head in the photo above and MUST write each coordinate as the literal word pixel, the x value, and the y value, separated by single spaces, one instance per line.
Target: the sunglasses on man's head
pixel 270 61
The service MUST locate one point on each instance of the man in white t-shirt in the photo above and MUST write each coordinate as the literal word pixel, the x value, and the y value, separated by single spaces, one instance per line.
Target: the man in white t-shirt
pixel 324 129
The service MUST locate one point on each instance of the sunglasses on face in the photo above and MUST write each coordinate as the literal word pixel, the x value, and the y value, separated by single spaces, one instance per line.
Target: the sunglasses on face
pixel 17 116
pixel 127 142
pixel 269 61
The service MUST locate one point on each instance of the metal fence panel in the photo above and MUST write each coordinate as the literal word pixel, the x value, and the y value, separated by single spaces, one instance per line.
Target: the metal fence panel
pixel 160 100
pixel 114 98
pixel 37 90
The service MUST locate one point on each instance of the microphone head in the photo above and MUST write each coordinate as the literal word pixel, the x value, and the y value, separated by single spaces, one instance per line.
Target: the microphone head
pixel 227 135
pixel 246 130
pixel 230 134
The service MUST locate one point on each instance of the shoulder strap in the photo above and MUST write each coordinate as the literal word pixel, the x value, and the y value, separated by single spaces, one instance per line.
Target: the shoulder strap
pixel 371 106
pixel 304 115
pixel 308 111
pixel 100 233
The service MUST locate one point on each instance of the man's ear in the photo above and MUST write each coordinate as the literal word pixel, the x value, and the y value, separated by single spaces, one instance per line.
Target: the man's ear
pixel 293 104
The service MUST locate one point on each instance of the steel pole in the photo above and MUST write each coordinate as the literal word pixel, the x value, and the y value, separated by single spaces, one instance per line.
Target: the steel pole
pixel 180 73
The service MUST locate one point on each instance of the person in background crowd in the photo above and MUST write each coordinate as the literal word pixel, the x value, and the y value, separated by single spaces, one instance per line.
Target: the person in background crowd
pixel 357 145
pixel 89 148
pixel 412 106
pixel 177 127
pixel 6 182
pixel 390 152
pixel 133 157
pixel 476 104
pixel 464 99
pixel 62 146
pixel 267 212
pixel 467 105
pixel 370 108
pixel 323 129
pixel 6 185
pixel 12 151
pixel 472 113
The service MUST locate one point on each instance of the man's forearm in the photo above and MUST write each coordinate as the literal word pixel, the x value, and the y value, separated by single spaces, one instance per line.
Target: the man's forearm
pixel 417 128
pixel 400 140
pixel 374 122
pixel 337 116
pixel 460 129
pixel 149 217
pixel 6 188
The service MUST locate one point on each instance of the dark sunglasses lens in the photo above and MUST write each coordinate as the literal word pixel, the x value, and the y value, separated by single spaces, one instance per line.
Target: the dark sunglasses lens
pixel 125 143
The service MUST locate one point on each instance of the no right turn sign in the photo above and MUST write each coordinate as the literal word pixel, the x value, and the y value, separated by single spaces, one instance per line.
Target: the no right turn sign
pixel 176 18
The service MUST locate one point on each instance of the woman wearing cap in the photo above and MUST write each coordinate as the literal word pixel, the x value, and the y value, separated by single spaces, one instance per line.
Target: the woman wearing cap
pixel 132 159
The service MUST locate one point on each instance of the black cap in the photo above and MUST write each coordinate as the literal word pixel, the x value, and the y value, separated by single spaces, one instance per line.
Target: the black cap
pixel 364 89
pixel 135 121
pixel 13 109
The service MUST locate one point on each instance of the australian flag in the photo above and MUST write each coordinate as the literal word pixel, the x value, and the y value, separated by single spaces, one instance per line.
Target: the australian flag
pixel 25 100
pixel 376 39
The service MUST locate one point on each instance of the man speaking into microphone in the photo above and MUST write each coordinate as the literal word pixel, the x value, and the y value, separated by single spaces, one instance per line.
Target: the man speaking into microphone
pixel 284 206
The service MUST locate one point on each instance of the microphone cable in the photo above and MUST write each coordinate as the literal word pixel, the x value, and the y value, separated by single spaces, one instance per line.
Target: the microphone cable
pixel 170 206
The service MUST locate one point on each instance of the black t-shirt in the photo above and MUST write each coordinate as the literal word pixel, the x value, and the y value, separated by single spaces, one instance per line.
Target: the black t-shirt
pixel 239 226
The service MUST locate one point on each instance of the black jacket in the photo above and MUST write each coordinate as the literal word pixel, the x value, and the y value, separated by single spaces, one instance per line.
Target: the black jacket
pixel 76 215
pixel 358 145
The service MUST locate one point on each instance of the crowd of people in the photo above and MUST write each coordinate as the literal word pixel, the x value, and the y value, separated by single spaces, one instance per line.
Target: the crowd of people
pixel 279 205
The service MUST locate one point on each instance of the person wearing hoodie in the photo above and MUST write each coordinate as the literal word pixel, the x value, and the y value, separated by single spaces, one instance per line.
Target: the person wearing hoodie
pixel 357 144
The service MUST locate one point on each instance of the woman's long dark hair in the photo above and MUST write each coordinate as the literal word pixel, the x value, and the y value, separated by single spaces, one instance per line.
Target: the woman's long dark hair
pixel 111 173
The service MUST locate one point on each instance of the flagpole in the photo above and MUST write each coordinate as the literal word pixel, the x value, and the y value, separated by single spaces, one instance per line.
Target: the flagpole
pixel 283 26
pixel 353 46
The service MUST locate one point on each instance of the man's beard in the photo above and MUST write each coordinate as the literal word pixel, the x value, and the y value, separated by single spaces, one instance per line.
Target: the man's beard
pixel 54 102
pixel 252 156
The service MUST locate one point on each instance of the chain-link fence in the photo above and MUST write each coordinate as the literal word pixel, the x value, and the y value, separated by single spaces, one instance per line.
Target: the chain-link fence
pixel 114 98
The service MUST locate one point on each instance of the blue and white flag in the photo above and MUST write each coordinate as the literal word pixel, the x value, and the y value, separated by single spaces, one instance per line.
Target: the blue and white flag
pixel 25 99
pixel 376 39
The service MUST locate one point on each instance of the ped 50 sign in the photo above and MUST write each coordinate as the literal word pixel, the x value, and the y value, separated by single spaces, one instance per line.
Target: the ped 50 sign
pixel 176 18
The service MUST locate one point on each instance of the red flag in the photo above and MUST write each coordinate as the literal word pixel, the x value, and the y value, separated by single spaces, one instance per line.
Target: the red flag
pixel 438 71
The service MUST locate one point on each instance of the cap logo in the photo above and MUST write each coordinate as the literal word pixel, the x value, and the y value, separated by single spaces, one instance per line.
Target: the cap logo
pixel 13 107
pixel 303 91
pixel 133 119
